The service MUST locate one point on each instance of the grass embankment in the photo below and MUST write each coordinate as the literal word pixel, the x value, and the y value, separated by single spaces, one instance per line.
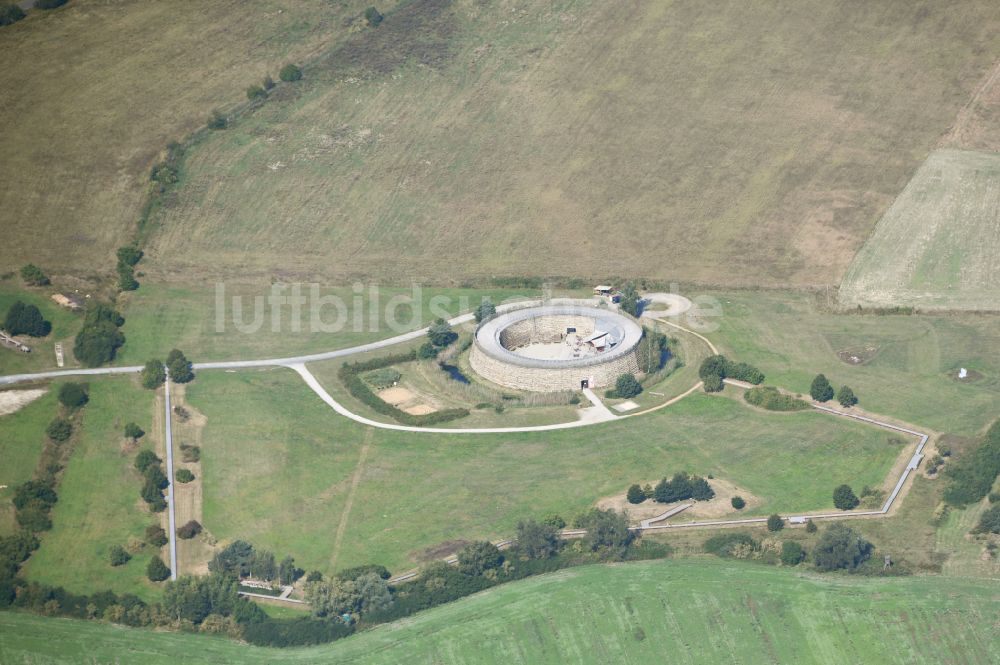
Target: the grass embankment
pixel 446 128
pixel 279 469
pixel 22 437
pixel 906 366
pixel 698 611
pixel 99 504
pixel 82 134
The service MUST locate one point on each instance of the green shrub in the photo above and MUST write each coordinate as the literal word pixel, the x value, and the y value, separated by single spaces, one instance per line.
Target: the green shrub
pixel 157 571
pixel 156 536
pixel 811 526
pixel 118 556
pixel 179 367
pixel 10 14
pixel 846 397
pixel 144 460
pixel 792 553
pixel 217 121
pixel 537 540
pixel 190 454
pixel 713 384
pixel 33 275
pixel 25 319
pixel 844 498
pixel 723 544
pixel 373 17
pixel 290 73
pixel 626 385
pixel 554 521
pixel 486 311
pixel 770 398
pixel 184 475
pixel 153 374
pixel 989 521
pixel 59 430
pixel 775 523
pixel 267 83
pixel 738 502
pixel 367 569
pixel 383 378
pixel 133 431
pixel 126 277
pixel 440 334
pixel 256 93
pixel 635 494
pixel 840 548
pixel 821 390
pixel 129 255
pixel 701 490
pixel 427 351
pixel 476 558
pixel 73 395
pixel 189 530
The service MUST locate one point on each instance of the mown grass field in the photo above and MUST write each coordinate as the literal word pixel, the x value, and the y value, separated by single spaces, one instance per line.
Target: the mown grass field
pixel 693 611
pixel 99 504
pixel 159 317
pixel 65 325
pixel 908 367
pixel 85 116
pixel 279 467
pixel 714 143
pixel 22 437
pixel 938 245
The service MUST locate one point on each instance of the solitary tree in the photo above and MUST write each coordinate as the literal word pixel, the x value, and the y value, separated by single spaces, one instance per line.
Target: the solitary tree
pixel 25 319
pixel 290 73
pixel 738 502
pixel 821 390
pixel 846 397
pixel 73 395
pixel 157 571
pixel 118 556
pixel 839 547
pixel 179 366
pixel 844 498
pixel 701 490
pixel 791 553
pixel 630 300
pixel 775 523
pixel 537 540
pixel 626 385
pixel 133 431
pixel 373 16
pixel 156 536
pixel 59 430
pixel 486 311
pixel 440 334
pixel 153 374
pixel 476 558
pixel 635 494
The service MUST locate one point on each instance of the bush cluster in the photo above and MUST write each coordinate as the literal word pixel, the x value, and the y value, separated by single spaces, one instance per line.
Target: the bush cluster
pixel 241 559
pixel 127 258
pixel 153 374
pixel 189 530
pixel 626 386
pixel 770 398
pixel 716 368
pixel 972 476
pixel 99 338
pixel 349 374
pixel 682 487
pixel 154 481
pixel 33 275
pixel 25 319
pixel 59 430
pixel 33 501
pixel 179 367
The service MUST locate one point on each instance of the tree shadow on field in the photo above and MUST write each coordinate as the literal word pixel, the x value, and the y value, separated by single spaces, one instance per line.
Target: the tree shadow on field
pixel 418 31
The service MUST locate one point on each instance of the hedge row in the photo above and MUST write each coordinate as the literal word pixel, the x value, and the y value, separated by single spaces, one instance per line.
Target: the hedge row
pixel 350 374
pixel 770 398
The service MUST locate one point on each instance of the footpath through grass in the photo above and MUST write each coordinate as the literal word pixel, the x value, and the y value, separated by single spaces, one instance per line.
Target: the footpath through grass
pixel 689 611
pixel 278 466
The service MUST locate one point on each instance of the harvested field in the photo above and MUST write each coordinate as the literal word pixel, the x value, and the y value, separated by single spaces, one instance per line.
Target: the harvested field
pixel 93 93
pixel 760 148
pixel 938 245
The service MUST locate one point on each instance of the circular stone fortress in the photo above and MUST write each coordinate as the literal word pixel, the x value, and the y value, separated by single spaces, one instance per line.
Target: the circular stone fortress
pixel 552 348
